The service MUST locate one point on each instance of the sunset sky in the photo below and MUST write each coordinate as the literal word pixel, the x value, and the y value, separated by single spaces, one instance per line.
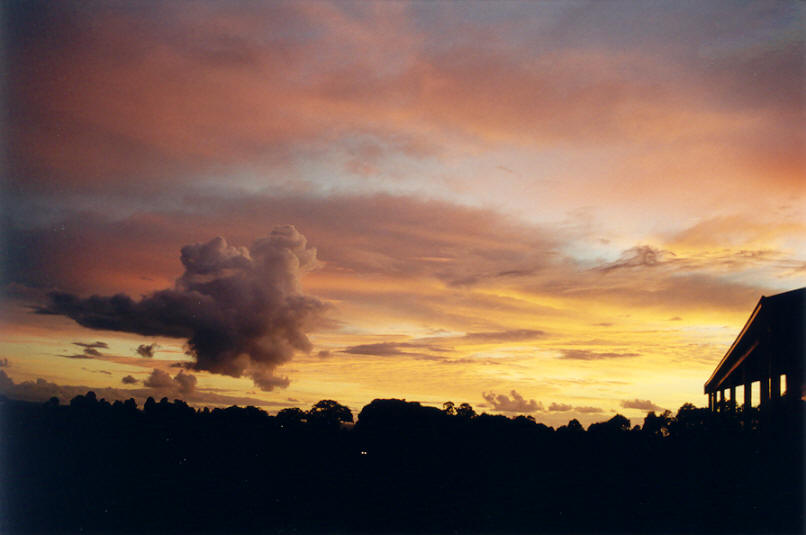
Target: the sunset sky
pixel 562 209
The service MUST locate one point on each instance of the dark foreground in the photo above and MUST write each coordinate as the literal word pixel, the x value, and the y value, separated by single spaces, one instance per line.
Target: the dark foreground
pixel 94 467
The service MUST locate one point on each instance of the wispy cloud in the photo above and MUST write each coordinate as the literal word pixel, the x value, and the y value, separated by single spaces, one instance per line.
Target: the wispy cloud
pixel 584 354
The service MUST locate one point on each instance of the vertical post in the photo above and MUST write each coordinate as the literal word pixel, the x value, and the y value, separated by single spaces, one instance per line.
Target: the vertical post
pixel 721 400
pixel 775 386
pixel 733 399
pixel 764 385
pixel 748 396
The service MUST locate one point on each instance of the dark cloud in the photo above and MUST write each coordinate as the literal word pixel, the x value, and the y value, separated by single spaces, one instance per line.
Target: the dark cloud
pixel 5 381
pixel 241 310
pixel 640 404
pixel 93 345
pixel 77 356
pixel 323 354
pixel 584 354
pixel 4 363
pixel 559 407
pixel 129 380
pixel 268 381
pixel 147 350
pixel 90 350
pixel 184 383
pixel 517 403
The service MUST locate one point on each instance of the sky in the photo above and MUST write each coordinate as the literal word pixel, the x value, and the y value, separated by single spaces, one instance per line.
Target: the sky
pixel 561 209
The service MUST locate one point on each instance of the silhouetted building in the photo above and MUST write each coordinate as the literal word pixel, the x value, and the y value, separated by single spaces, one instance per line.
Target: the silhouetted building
pixel 769 347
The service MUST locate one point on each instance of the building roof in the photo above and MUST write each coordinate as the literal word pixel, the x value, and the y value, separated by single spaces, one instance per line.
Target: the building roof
pixel 771 341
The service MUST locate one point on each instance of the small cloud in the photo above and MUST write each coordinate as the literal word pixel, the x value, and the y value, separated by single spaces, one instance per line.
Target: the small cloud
pixel 159 379
pixel 293 400
pixel 603 324
pixel 267 381
pixel 183 382
pixel 640 404
pixel 90 350
pixel 105 372
pixel 147 350
pixel 4 363
pixel 676 318
pixel 587 409
pixel 323 354
pixel 559 407
pixel 584 354
pixel 129 380
pixel 503 403
pixel 93 345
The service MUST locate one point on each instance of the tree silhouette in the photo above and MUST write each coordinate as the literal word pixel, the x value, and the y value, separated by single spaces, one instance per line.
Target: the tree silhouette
pixel 504 475
pixel 291 418
pixel 465 411
pixel 657 425
pixel 329 414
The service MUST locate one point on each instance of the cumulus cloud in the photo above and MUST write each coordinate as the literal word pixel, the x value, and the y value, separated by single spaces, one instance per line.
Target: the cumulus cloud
pixel 584 354
pixel 146 350
pixel 241 309
pixel 517 403
pixel 560 407
pixel 184 383
pixel 641 404
pixel 129 380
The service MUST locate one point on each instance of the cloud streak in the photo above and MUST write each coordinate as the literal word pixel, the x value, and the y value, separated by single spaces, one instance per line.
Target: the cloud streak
pixel 584 354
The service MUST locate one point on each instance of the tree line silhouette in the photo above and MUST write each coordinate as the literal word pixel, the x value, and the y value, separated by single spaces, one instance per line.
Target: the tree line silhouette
pixel 95 466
